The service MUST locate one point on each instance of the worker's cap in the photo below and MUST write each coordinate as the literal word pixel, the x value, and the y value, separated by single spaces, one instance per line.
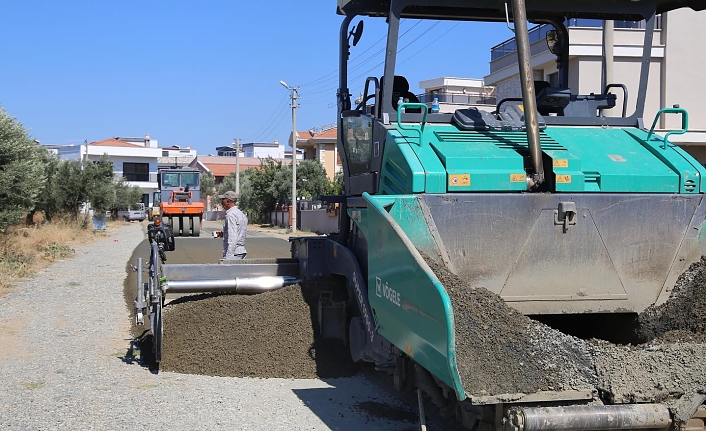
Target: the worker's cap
pixel 230 195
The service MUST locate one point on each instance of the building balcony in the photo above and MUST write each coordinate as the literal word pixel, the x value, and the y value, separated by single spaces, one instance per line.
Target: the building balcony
pixel 465 99
pixel 142 180
pixel 539 33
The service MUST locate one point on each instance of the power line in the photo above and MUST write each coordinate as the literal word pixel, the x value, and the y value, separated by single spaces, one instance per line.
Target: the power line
pixel 365 73
pixel 265 124
pixel 276 118
pixel 428 45
pixel 360 89
pixel 326 81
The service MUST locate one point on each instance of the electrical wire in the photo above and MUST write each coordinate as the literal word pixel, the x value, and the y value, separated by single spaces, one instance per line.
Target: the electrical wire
pixel 365 73
pixel 269 126
pixel 274 115
pixel 358 65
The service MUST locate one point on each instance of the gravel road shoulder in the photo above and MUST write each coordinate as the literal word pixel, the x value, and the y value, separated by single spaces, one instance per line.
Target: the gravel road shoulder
pixel 64 365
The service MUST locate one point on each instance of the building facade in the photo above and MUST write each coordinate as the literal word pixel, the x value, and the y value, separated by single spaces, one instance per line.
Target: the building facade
pixel 136 164
pixel 674 71
pixel 320 144
pixel 456 93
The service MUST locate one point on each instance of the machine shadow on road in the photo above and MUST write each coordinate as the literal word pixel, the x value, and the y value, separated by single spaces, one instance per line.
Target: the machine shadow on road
pixel 348 403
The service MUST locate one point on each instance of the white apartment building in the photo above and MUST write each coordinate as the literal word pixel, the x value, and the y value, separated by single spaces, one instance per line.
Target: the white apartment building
pixel 677 62
pixel 136 163
pixel 457 93
pixel 176 157
pixel 261 150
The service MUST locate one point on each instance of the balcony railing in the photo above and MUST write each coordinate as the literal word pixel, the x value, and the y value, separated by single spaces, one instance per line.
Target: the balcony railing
pixel 146 178
pixel 458 98
pixel 539 32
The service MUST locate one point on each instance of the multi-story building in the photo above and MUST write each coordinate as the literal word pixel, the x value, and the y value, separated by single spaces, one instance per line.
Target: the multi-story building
pixel 675 68
pixel 319 144
pixel 135 162
pixel 176 157
pixel 455 93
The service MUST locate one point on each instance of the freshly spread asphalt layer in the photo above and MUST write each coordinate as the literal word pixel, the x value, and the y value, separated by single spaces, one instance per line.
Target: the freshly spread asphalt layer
pixel 272 334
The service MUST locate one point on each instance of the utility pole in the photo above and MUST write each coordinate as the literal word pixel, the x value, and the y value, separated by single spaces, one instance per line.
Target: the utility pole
pixel 84 160
pixel 294 96
pixel 236 142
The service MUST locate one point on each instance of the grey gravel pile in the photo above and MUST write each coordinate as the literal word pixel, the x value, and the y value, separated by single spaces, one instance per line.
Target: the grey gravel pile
pixel 500 351
pixel 670 366
pixel 66 364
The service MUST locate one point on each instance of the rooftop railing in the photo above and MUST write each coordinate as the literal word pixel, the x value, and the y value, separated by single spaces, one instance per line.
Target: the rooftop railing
pixel 458 98
pixel 539 32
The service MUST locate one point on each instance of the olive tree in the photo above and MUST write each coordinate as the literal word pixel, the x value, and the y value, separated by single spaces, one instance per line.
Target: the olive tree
pixel 22 171
pixel 77 183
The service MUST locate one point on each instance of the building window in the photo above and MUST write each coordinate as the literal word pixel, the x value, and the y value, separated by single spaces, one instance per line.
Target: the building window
pixel 553 79
pixel 165 153
pixel 136 171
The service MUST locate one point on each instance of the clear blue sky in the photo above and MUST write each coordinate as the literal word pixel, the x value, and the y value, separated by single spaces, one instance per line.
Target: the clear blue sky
pixel 203 73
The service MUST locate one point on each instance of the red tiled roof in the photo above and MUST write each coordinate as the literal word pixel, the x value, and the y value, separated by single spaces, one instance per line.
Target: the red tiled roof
pixel 222 166
pixel 114 143
pixel 223 170
pixel 326 134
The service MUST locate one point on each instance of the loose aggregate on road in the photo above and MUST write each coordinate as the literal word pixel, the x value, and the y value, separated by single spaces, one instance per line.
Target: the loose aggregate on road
pixel 500 351
pixel 66 364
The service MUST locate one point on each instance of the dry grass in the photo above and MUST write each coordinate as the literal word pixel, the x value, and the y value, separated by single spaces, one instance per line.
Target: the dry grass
pixel 26 250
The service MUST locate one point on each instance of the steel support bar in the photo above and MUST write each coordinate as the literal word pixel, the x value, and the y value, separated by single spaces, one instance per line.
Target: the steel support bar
pixel 613 417
pixel 244 285
pixel 422 418
pixel 524 55
pixel 140 303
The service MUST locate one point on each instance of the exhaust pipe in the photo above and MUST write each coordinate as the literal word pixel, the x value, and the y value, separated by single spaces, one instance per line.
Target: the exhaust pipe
pixel 529 101
pixel 241 285
pixel 612 417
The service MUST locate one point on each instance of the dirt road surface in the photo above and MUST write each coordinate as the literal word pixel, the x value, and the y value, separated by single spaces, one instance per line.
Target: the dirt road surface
pixel 67 364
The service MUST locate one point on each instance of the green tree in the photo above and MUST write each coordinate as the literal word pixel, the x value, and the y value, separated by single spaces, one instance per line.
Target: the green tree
pixel 125 196
pixel 257 195
pixel 69 187
pixel 208 187
pixel 311 181
pixel 336 186
pixel 100 186
pixel 22 171
pixel 77 183
pixel 47 199
pixel 246 200
pixel 262 189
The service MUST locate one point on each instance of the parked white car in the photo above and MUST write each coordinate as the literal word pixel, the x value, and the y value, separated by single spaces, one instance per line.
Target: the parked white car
pixel 138 214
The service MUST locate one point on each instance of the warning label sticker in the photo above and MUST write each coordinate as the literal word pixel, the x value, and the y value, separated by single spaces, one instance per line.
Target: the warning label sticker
pixel 459 180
